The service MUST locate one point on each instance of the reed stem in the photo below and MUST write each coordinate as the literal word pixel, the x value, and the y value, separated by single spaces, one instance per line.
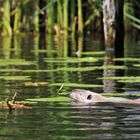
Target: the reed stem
pixel 80 17
pixel 73 17
pixel 59 16
pixel 65 7
pixel 50 18
pixel 36 16
pixel 17 17
pixel 6 18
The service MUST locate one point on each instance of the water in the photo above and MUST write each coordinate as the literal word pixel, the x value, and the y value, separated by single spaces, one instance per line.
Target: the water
pixel 59 121
pixel 64 120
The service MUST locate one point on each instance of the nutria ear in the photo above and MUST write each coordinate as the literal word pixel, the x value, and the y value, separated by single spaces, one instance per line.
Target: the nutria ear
pixel 89 97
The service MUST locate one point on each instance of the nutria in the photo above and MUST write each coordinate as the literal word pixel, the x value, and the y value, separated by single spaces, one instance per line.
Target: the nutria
pixel 88 97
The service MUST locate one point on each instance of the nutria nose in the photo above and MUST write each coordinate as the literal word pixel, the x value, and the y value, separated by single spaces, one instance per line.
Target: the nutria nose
pixel 70 95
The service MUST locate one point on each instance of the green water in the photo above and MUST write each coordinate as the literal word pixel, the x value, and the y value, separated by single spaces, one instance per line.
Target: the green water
pixel 36 67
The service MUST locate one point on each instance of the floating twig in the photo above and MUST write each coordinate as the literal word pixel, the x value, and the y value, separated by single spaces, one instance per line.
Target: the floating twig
pixel 14 98
pixel 9 105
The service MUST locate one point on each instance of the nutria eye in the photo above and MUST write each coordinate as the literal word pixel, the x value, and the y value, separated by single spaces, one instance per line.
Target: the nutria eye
pixel 89 97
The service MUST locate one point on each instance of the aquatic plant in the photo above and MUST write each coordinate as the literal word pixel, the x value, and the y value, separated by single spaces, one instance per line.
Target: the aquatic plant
pixel 30 15
pixel 50 99
pixel 131 13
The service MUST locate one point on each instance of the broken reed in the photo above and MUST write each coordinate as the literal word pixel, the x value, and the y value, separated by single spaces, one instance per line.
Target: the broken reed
pixel 24 16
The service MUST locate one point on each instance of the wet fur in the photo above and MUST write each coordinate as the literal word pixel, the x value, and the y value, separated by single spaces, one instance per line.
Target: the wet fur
pixel 86 96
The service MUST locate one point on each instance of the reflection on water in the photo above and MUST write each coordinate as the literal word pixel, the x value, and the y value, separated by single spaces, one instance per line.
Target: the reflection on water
pixel 46 59
pixel 63 121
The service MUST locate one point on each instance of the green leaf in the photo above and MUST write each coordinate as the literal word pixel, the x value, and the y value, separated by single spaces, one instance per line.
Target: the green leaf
pixel 120 78
pixel 37 71
pixel 51 99
pixel 10 70
pixel 5 62
pixel 133 18
pixel 73 69
pixel 125 79
pixel 136 65
pixel 76 85
pixel 44 51
pixel 125 94
pixel 27 102
pixel 93 53
pixel 130 81
pixel 15 78
pixel 50 3
pixel 127 59
pixel 71 60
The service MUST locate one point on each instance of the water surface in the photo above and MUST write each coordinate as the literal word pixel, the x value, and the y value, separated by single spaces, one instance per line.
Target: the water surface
pixel 73 63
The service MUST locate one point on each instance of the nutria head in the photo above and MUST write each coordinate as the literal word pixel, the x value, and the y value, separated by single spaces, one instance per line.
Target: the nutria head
pixel 86 96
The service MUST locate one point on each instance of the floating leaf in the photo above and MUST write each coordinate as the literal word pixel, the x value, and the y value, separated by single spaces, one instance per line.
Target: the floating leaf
pixel 121 78
pixel 38 71
pixel 126 79
pixel 36 83
pixel 27 71
pixel 63 93
pixel 73 69
pixel 71 60
pixel 114 67
pixel 136 65
pixel 15 78
pixel 51 99
pixel 5 62
pixel 121 94
pixel 130 81
pixel 27 102
pixel 127 59
pixel 76 85
pixel 68 69
pixel 10 70
pixel 44 51
pixel 93 53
